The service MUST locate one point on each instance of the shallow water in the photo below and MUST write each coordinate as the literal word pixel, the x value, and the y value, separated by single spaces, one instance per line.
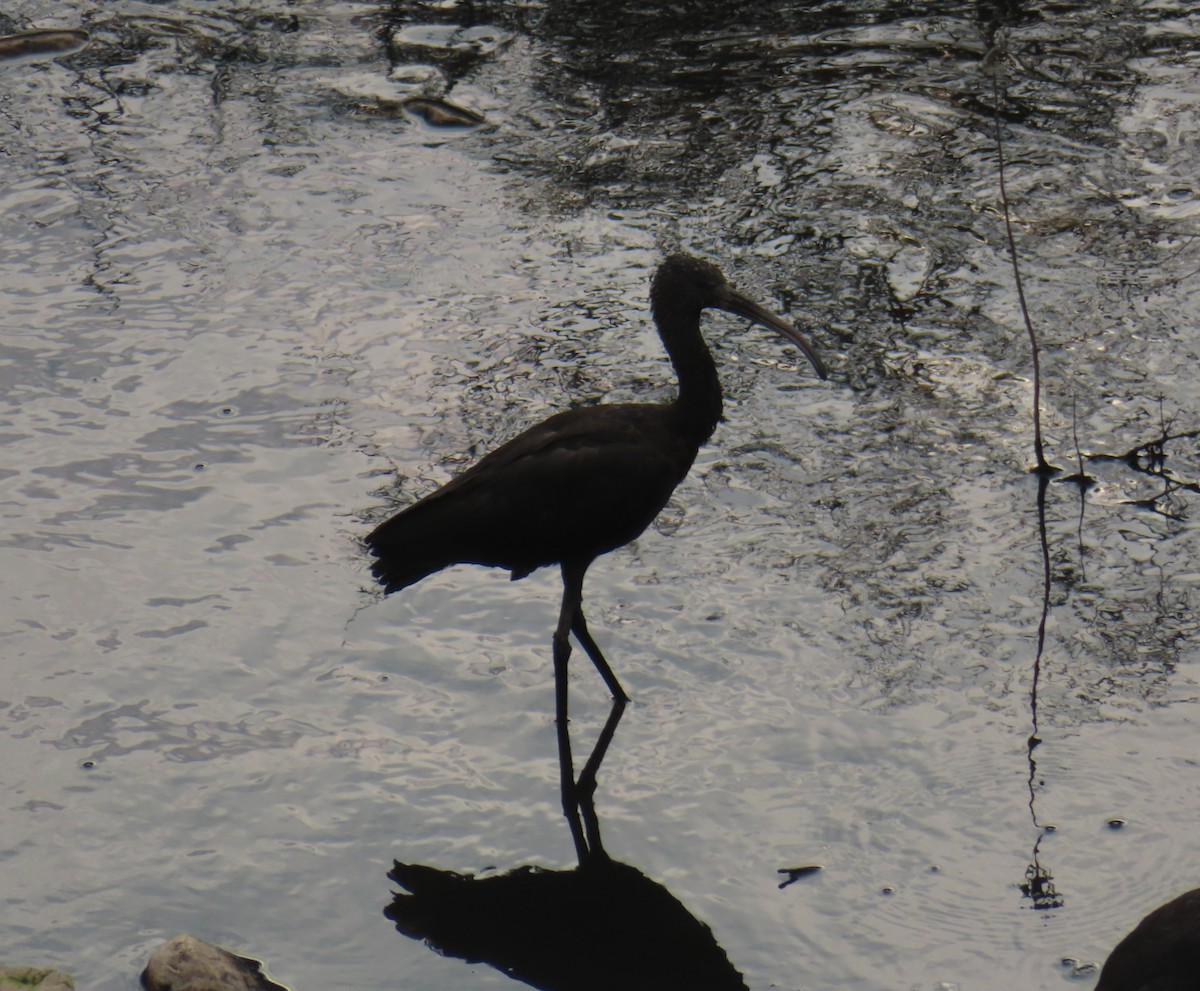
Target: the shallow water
pixel 252 300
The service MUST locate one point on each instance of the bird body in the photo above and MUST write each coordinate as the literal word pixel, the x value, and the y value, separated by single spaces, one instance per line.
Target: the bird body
pixel 585 481
pixel 580 484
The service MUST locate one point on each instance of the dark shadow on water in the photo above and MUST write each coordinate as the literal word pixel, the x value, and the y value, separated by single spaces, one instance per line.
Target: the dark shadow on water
pixel 601 925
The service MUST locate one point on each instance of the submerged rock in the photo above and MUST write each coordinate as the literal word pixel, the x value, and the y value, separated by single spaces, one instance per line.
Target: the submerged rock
pixel 34 979
pixel 373 95
pixel 189 964
pixel 33 43
pixel 442 113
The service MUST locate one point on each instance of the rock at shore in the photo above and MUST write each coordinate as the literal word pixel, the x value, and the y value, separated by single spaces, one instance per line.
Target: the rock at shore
pixel 189 964
pixel 34 979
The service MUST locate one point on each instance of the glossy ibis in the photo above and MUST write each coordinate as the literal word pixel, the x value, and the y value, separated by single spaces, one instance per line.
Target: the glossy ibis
pixel 584 482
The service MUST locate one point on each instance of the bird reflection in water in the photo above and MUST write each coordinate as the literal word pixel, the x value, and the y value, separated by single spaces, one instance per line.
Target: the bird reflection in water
pixel 600 926
pixel 585 481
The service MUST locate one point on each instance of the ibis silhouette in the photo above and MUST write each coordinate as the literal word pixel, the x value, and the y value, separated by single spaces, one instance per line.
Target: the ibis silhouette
pixel 585 481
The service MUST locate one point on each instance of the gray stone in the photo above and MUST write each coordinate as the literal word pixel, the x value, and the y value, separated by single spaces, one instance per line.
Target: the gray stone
pixel 189 964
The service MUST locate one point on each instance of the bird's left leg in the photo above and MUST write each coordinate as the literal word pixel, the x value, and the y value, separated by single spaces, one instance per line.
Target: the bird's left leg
pixel 573 592
pixel 579 627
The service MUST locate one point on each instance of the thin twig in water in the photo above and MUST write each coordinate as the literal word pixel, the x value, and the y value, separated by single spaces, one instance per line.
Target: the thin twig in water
pixel 1080 478
pixel 1043 466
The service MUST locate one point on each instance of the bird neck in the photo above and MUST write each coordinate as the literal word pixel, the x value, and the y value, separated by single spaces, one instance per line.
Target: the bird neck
pixel 698 405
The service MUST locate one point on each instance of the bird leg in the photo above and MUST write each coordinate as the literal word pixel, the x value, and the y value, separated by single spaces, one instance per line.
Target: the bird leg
pixel 579 628
pixel 573 589
pixel 577 796
pixel 566 768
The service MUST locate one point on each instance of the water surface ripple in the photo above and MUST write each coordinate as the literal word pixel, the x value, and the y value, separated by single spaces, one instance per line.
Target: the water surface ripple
pixel 255 295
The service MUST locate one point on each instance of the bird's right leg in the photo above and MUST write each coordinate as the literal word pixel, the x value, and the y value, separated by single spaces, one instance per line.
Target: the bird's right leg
pixel 562 642
pixel 566 767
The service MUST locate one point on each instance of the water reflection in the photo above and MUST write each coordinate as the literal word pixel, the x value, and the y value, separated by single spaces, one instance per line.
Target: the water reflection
pixel 1166 493
pixel 638 102
pixel 194 223
pixel 1164 629
pixel 599 926
pixel 602 925
pixel 1038 884
pixel 579 794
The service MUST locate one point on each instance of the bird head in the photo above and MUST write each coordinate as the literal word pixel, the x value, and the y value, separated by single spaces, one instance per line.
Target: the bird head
pixel 686 285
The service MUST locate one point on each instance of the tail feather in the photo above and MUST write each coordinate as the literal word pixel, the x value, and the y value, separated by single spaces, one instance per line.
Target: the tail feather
pixel 407 548
pixel 394 575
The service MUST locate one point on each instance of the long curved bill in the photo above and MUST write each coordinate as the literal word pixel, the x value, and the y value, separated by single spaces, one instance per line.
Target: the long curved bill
pixel 733 301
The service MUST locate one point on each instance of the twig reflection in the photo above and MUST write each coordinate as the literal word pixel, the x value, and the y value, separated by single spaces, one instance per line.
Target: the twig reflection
pixel 1150 459
pixel 1038 884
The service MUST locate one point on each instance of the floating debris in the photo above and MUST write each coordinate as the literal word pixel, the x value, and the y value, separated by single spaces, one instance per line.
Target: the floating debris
pixel 794 874
pixel 442 113
pixel 373 95
pixel 34 43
